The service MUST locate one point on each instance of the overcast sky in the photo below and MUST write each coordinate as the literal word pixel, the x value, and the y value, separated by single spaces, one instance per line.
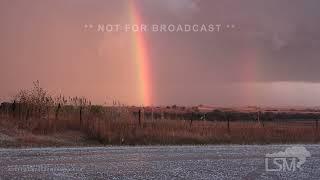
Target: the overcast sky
pixel 271 57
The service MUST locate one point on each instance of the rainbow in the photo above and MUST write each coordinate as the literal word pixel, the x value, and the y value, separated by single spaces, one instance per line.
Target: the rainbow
pixel 141 56
pixel 251 71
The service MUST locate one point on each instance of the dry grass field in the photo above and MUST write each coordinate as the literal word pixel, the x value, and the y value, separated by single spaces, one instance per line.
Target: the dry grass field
pixel 35 118
pixel 100 131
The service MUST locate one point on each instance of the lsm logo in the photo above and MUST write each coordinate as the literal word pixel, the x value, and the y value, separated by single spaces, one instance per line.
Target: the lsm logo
pixel 289 160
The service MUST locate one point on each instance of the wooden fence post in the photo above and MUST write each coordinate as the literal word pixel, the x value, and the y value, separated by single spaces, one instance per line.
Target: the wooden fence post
pixel 152 114
pixel 228 124
pixel 227 117
pixel 191 119
pixel 80 116
pixel 260 118
pixel 139 116
pixel 13 109
pixel 57 112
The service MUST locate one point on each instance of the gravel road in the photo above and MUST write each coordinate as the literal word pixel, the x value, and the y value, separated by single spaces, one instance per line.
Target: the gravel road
pixel 155 162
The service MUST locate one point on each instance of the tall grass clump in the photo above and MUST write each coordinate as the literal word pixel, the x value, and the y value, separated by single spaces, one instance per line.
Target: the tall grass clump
pixel 33 107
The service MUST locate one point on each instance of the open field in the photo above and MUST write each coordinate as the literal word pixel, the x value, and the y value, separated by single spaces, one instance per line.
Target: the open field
pixel 35 118
pixel 14 133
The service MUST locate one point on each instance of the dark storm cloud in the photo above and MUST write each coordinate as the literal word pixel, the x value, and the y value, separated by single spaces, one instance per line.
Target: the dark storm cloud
pixel 281 38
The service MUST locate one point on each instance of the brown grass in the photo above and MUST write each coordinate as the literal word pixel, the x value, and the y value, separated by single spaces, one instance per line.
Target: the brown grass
pixel 125 130
pixel 38 117
pixel 180 132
